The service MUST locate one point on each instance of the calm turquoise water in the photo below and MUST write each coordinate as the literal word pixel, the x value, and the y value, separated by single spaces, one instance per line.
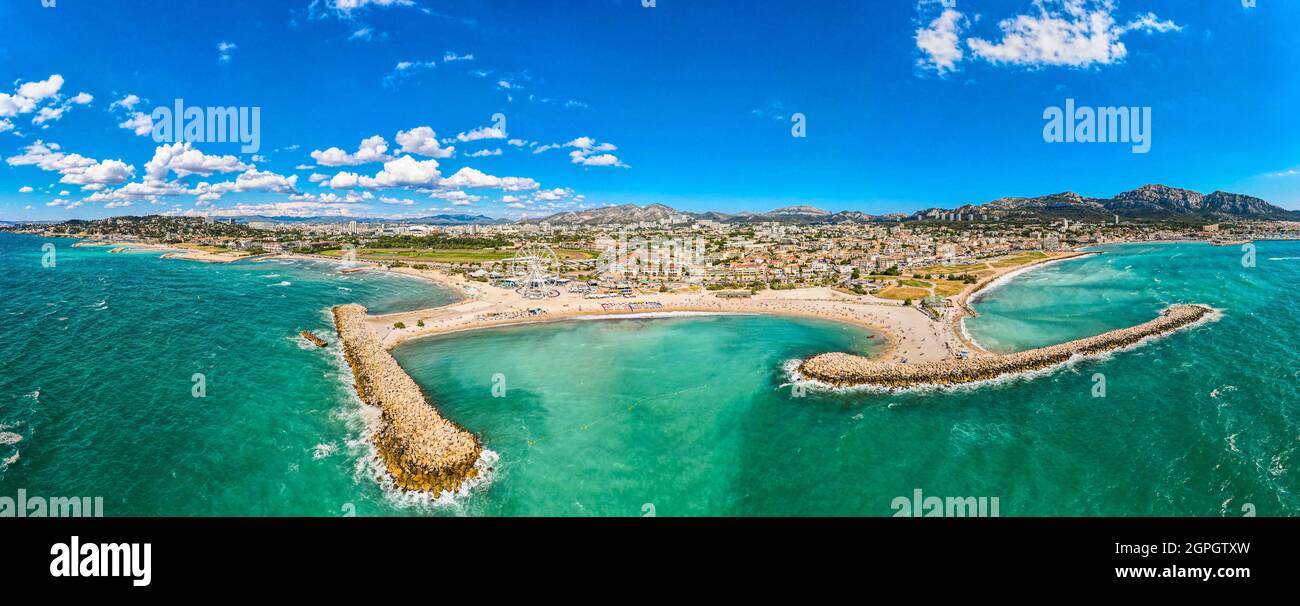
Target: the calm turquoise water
pixel 683 416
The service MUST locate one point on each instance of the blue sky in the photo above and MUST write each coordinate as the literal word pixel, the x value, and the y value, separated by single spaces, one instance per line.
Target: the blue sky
pixel 906 104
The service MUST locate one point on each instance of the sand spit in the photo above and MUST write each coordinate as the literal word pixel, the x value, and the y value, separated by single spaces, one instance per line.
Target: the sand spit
pixel 421 450
pixel 847 370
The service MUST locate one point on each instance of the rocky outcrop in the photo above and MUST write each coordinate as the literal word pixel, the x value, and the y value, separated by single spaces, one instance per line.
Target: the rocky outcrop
pixel 312 338
pixel 421 450
pixel 844 370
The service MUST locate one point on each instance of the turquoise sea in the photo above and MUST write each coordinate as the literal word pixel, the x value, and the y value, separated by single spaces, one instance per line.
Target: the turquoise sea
pixel 679 416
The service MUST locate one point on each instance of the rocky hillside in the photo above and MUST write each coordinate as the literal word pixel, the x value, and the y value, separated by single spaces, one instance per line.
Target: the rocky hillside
pixel 1146 203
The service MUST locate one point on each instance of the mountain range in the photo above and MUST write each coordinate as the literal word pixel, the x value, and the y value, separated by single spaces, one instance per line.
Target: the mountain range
pixel 1146 203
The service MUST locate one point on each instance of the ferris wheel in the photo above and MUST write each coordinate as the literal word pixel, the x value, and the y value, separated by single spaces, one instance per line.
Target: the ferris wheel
pixel 533 268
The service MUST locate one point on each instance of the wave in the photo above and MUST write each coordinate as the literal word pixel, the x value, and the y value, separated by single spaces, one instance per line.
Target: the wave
pixel 1284 258
pixel 8 438
pixel 323 450
pixel 282 283
pixel 1222 390
pixel 270 275
pixel 9 461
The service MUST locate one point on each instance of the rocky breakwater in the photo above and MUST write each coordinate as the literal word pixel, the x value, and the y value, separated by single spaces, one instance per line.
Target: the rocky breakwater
pixel 845 370
pixel 421 450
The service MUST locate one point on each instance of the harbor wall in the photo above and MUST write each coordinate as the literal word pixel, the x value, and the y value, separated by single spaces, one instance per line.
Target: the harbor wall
pixel 847 370
pixel 421 450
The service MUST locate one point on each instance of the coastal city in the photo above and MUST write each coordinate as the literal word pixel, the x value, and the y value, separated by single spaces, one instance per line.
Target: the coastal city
pixel 925 255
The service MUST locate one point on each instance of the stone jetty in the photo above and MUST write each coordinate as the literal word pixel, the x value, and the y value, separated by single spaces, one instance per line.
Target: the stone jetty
pixel 421 450
pixel 845 370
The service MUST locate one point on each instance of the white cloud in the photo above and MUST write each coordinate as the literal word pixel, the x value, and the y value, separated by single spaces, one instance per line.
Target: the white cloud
pixel 249 180
pixel 405 171
pixel 224 51
pixel 12 105
pixel 406 69
pixel 26 189
pixel 552 195
pixel 398 201
pixel 74 168
pixel 423 141
pixel 941 42
pixel 127 103
pixel 478 134
pixel 1151 23
pixel 456 197
pixel 139 123
pixel 469 178
pixel 184 160
pixel 345 8
pixel 108 172
pixel 484 153
pixel 596 160
pixel 449 57
pixel 344 180
pixel 364 33
pixel 42 89
pixel 49 114
pixel 1074 33
pixel 42 97
pixel 372 149
pixel 588 152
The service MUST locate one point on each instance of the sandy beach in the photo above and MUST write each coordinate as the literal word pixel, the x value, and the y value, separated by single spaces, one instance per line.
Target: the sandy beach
pixel 908 334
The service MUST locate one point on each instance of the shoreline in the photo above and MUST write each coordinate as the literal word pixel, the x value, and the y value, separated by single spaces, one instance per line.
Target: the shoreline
pixel 170 251
pixel 962 302
pixel 846 370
